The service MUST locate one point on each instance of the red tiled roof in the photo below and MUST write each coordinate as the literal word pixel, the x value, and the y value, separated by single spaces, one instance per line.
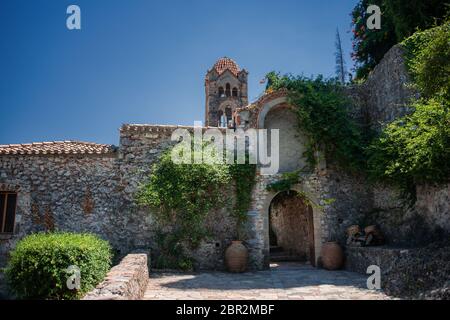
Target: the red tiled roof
pixel 224 64
pixel 56 147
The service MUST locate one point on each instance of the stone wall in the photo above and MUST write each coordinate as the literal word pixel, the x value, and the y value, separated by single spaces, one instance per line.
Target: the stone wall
pixel 385 94
pixel 63 192
pixel 433 204
pixel 338 200
pixel 96 193
pixel 358 259
pixel 383 98
pixel 126 281
pixel 140 147
pixel 424 222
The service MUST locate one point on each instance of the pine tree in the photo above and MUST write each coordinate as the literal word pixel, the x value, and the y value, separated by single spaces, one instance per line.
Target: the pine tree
pixel 340 62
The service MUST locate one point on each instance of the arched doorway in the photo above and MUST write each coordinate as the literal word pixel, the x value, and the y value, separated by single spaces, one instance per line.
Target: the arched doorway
pixel 291 228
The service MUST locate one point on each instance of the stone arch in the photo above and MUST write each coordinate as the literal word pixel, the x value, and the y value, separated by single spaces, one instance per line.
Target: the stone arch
pixel 227 108
pixel 266 107
pixel 228 89
pixel 294 158
pixel 221 92
pixel 316 221
pixel 292 143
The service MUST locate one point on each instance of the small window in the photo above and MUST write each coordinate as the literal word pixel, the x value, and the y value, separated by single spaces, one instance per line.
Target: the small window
pixel 221 117
pixel 235 92
pixel 221 92
pixel 7 211
pixel 228 90
pixel 228 114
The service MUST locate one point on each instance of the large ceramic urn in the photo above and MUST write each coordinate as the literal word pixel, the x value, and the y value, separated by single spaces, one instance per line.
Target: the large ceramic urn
pixel 236 257
pixel 332 255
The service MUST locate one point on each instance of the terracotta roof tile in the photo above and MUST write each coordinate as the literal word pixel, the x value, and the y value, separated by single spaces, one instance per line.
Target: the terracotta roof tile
pixel 56 147
pixel 224 64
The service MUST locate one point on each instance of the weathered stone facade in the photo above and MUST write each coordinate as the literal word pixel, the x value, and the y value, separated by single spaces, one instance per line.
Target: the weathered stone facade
pixel 358 259
pixel 67 192
pixel 386 93
pixel 95 192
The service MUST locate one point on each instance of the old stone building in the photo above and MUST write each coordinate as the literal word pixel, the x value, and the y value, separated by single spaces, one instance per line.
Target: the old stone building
pixel 225 91
pixel 90 187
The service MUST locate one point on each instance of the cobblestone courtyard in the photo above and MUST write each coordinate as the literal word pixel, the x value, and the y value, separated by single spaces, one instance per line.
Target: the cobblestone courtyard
pixel 286 281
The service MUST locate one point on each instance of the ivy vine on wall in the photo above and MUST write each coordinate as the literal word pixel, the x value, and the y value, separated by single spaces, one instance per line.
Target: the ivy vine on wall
pixel 321 108
pixel 183 195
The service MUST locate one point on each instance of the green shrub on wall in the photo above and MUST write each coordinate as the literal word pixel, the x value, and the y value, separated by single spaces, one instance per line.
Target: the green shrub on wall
pixel 38 265
pixel 183 195
pixel 428 60
pixel 321 107
pixel 416 148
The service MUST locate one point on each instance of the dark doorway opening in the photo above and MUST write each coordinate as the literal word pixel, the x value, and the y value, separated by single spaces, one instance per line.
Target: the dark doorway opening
pixel 291 231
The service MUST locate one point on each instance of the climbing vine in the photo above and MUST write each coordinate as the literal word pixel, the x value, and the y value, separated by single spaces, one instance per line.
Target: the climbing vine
pixel 286 184
pixel 321 108
pixel 427 56
pixel 183 195
pixel 413 149
pixel 288 179
pixel 244 178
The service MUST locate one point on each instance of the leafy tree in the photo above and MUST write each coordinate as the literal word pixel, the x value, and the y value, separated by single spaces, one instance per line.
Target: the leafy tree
pixel 369 46
pixel 410 15
pixel 414 149
pixel 321 107
pixel 428 60
pixel 400 19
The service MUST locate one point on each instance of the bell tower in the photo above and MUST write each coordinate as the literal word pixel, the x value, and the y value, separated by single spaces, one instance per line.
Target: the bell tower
pixel 226 90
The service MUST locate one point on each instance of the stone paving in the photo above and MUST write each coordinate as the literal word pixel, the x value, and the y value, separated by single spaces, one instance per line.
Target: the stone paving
pixel 287 281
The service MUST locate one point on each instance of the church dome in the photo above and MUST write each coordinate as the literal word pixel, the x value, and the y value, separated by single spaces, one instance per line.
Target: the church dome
pixel 224 64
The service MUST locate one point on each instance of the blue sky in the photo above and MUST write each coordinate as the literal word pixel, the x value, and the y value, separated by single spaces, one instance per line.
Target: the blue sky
pixel 142 61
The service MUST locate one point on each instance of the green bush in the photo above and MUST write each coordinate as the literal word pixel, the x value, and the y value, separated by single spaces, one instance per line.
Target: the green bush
pixel 400 19
pixel 182 196
pixel 38 264
pixel 322 113
pixel 428 60
pixel 414 149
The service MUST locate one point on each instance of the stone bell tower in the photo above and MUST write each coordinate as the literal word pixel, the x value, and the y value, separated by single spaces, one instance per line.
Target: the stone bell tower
pixel 226 90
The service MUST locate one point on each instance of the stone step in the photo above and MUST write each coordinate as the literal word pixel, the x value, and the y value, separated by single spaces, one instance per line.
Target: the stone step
pixel 285 257
pixel 274 249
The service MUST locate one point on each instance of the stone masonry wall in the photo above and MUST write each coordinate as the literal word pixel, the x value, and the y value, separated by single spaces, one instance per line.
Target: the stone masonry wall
pixel 126 281
pixel 338 201
pixel 383 98
pixel 385 94
pixel 77 193
pixel 140 147
pixel 96 194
